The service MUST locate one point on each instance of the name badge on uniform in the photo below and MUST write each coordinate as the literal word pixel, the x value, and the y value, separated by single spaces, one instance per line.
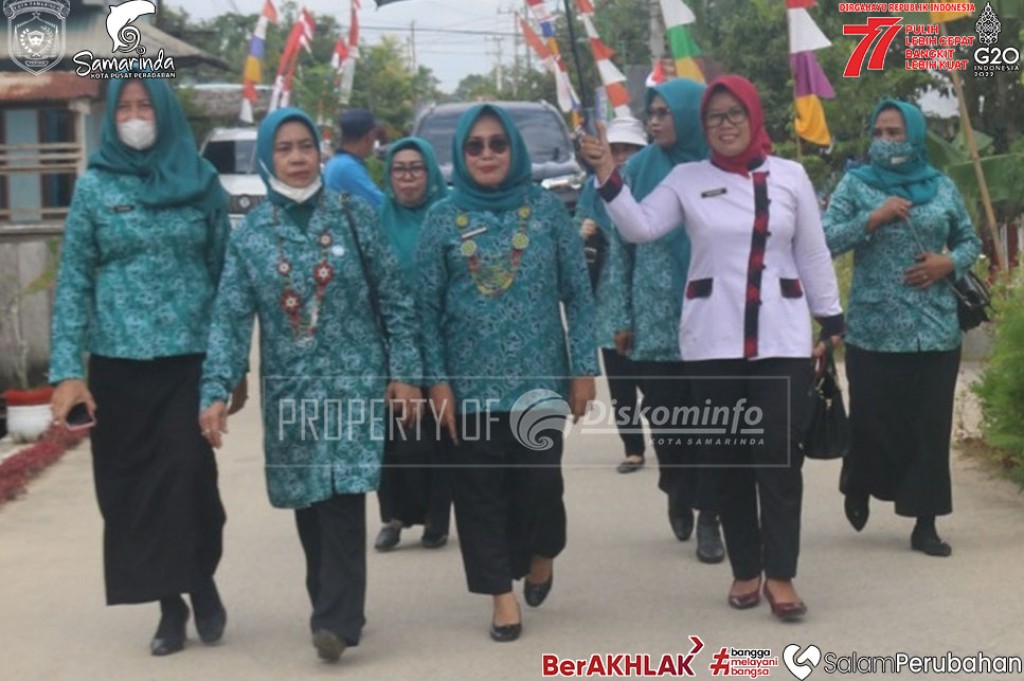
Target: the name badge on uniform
pixel 123 208
pixel 472 233
pixel 711 193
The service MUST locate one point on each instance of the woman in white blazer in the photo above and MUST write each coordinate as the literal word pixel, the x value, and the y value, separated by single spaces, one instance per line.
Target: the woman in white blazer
pixel 760 269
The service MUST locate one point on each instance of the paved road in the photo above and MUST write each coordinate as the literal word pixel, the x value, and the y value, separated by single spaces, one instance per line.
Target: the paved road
pixel 624 585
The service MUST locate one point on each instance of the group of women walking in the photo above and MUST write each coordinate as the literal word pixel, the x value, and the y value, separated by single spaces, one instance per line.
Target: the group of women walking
pixel 476 298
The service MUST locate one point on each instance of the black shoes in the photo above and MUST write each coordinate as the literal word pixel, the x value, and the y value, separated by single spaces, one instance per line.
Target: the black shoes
pixel 387 538
pixel 682 524
pixel 926 540
pixel 534 594
pixel 709 538
pixel 170 633
pixel 856 508
pixel 211 618
pixel 328 646
pixel 433 539
pixel 630 466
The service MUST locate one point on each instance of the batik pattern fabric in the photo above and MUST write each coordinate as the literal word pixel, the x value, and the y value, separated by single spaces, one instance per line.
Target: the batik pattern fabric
pixel 135 281
pixel 494 349
pixel 884 314
pixel 324 413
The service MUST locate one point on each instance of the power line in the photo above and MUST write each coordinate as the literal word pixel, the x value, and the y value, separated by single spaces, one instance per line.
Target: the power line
pixel 403 29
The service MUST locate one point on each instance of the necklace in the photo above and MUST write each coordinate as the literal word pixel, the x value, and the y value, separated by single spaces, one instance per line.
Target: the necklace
pixel 493 275
pixel 291 302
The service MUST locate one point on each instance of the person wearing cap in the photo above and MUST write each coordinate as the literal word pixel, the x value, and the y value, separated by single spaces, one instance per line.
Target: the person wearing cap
pixel 626 137
pixel 346 172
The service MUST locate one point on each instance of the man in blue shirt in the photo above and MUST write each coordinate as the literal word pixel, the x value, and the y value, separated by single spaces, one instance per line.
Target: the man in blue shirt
pixel 346 171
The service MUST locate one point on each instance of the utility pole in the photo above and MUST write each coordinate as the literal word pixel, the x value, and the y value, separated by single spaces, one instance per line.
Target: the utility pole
pixel 497 40
pixel 412 44
pixel 529 57
pixel 516 75
pixel 657 39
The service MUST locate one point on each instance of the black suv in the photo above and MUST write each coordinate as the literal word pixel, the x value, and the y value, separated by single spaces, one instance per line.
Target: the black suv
pixel 543 129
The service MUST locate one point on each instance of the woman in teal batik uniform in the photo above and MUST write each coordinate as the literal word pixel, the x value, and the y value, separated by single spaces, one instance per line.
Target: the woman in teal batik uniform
pixel 143 250
pixel 414 486
pixel 312 267
pixel 497 260
pixel 911 238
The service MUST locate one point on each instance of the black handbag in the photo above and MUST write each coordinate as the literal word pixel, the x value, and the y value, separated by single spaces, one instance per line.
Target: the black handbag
pixel 828 433
pixel 973 301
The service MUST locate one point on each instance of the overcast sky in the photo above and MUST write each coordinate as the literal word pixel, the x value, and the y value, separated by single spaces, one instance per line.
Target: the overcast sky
pixel 451 56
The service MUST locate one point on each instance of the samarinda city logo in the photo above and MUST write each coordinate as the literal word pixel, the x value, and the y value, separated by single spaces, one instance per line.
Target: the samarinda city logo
pixel 129 54
pixel 35 33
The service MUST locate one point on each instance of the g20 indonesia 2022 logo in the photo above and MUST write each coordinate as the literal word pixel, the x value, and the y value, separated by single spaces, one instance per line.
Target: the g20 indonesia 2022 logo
pixel 35 32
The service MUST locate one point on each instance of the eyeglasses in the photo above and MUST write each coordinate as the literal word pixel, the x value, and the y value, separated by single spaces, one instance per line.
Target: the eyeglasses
pixel 658 113
pixel 474 146
pixel 735 116
pixel 415 170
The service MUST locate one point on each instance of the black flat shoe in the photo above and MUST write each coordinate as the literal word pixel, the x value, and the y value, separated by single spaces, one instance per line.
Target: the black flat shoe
pixel 211 617
pixel 387 538
pixel 433 540
pixel 856 508
pixel 211 627
pixel 170 633
pixel 709 538
pixel 506 632
pixel 534 594
pixel 930 544
pixel 328 646
pixel 682 525
pixel 628 466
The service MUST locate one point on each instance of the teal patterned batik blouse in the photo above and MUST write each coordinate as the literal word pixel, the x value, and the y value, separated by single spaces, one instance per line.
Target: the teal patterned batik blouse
pixel 135 282
pixel 883 313
pixel 492 349
pixel 322 391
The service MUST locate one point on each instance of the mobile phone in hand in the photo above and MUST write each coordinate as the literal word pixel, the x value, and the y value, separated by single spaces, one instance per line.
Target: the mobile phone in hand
pixel 79 418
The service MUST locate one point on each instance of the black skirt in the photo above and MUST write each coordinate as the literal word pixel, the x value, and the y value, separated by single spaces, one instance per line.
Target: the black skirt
pixel 901 418
pixel 156 478
pixel 414 481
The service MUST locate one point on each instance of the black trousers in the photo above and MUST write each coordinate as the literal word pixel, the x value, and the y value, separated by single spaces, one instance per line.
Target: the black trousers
pixel 414 484
pixel 508 502
pixel 156 478
pixel 901 418
pixel 666 389
pixel 623 384
pixel 755 472
pixel 333 536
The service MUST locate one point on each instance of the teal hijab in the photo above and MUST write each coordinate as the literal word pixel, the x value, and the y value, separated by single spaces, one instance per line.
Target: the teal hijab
pixel 514 190
pixel 649 166
pixel 914 179
pixel 172 171
pixel 401 223
pixel 265 148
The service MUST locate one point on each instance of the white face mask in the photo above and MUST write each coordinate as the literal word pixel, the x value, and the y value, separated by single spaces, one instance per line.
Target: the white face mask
pixel 137 133
pixel 296 194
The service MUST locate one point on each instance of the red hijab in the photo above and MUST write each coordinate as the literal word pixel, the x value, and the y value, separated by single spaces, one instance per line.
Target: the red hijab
pixel 760 144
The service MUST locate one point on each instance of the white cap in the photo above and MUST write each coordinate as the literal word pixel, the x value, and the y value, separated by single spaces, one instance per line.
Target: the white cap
pixel 627 130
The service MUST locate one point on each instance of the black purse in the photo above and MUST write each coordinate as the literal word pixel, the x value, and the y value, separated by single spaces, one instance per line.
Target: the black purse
pixel 828 433
pixel 973 301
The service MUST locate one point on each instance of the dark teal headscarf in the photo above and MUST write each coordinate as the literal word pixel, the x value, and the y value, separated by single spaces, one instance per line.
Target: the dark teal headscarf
pixel 172 171
pixel 401 223
pixel 914 178
pixel 649 166
pixel 514 189
pixel 265 146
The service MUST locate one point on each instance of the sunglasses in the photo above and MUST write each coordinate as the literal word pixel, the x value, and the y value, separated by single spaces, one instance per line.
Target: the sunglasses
pixel 474 146
pixel 658 112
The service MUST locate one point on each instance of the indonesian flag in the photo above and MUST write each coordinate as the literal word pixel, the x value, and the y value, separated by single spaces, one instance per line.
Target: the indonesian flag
pixel 568 100
pixel 301 37
pixel 810 82
pixel 684 48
